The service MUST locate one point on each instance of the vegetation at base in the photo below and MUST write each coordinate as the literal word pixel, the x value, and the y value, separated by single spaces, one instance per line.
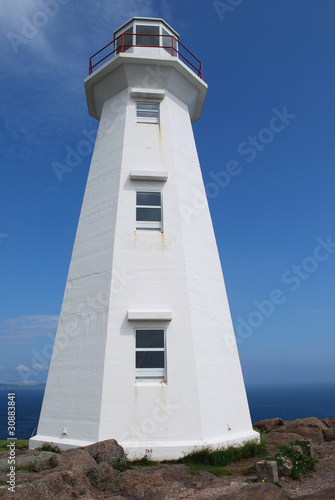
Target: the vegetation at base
pixel 145 461
pixel 223 456
pixel 301 461
pixel 208 459
pixel 29 467
pixel 19 444
pixel 49 447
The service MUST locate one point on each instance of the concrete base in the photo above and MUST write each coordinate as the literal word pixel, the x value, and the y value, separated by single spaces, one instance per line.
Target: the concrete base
pixel 63 444
pixel 155 450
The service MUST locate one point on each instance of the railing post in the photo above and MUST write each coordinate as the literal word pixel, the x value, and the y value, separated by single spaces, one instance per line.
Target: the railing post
pixel 122 49
pixel 90 68
pixel 172 45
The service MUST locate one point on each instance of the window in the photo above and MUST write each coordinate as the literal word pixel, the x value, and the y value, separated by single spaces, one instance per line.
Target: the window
pixel 147 112
pixel 150 354
pixel 149 210
pixel 148 36
pixel 127 40
pixel 169 42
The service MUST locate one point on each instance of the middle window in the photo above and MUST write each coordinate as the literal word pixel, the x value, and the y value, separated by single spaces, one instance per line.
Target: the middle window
pixel 149 210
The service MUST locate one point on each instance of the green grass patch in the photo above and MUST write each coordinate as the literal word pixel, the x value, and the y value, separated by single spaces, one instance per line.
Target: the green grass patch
pixel 221 457
pixel 301 461
pixel 49 447
pixel 19 444
pixel 26 467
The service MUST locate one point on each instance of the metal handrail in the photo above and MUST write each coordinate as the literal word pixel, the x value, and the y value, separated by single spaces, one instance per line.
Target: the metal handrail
pixel 175 52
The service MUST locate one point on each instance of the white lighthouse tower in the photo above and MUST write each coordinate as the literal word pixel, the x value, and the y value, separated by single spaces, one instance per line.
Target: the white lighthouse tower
pixel 145 351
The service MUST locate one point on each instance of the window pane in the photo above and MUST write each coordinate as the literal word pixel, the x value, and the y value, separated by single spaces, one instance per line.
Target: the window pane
pixel 127 40
pixel 148 198
pixel 143 40
pixel 167 41
pixel 148 214
pixel 149 359
pixel 147 106
pixel 151 114
pixel 149 338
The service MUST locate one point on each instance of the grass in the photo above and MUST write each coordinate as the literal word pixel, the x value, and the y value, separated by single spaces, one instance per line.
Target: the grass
pixel 224 456
pixel 19 444
pixel 301 461
pixel 210 460
pixel 29 467
pixel 49 447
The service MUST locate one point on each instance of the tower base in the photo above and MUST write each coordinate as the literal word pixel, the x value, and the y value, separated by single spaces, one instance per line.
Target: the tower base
pixel 157 450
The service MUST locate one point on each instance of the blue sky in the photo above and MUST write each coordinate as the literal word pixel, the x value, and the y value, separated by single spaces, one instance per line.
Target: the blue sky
pixel 268 118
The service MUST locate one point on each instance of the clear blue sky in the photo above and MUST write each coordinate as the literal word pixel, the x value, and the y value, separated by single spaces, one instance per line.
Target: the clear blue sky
pixel 270 68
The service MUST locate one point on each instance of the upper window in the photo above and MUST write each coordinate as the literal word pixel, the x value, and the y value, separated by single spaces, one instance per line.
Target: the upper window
pixel 169 42
pixel 149 210
pixel 147 36
pixel 147 112
pixel 125 40
pixel 150 354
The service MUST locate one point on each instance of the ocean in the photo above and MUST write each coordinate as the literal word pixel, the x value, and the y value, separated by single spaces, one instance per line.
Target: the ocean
pixel 288 402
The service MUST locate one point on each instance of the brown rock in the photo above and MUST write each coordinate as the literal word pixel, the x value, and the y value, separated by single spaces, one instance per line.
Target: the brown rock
pixel 108 451
pixel 154 483
pixel 329 434
pixel 329 422
pixel 259 491
pixel 103 477
pixel 64 485
pixel 307 428
pixel 269 424
pixel 276 439
pixel 75 459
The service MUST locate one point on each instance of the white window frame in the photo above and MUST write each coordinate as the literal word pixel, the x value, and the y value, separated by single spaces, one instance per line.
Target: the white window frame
pixel 151 225
pixel 156 374
pixel 154 119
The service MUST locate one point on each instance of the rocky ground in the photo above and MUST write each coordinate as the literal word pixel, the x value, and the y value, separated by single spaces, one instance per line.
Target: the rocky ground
pixel 92 472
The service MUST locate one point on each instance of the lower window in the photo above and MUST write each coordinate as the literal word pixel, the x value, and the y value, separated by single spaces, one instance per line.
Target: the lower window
pixel 149 210
pixel 150 354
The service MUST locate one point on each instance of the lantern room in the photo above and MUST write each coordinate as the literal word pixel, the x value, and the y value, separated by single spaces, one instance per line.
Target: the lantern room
pixel 141 34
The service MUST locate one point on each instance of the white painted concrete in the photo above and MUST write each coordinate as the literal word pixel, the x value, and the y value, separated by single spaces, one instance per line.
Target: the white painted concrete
pixel 121 279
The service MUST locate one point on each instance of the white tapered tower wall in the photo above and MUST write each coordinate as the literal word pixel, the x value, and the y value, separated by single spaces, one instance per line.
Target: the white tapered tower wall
pixel 121 279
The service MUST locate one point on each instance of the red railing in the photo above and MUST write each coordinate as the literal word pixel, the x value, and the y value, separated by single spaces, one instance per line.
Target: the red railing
pixel 176 49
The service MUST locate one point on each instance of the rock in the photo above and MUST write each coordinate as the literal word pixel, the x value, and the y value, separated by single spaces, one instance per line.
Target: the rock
pixel 64 485
pixel 306 447
pixel 308 428
pixel 329 434
pixel 259 491
pixel 267 471
pixel 102 477
pixel 154 483
pixel 285 469
pixel 108 451
pixel 75 459
pixel 269 424
pixel 276 439
pixel 329 422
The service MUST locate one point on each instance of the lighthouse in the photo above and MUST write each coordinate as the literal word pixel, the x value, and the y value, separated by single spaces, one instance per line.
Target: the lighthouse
pixel 145 351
